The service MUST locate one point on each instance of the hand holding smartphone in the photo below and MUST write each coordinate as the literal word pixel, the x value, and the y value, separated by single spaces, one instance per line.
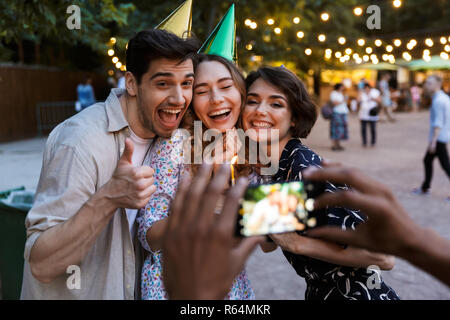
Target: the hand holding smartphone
pixel 280 207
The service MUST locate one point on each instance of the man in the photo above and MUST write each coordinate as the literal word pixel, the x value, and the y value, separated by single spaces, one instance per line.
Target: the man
pixel 120 79
pixel 85 92
pixel 92 171
pixel 439 134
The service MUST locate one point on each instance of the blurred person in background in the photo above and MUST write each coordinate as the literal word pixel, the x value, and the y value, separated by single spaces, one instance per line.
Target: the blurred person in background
pixel 339 120
pixel 386 101
pixel 370 101
pixel 439 134
pixel 416 92
pixel 120 79
pixel 85 93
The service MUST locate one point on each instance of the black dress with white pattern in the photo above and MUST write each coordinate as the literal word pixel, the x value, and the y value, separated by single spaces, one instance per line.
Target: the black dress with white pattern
pixel 325 280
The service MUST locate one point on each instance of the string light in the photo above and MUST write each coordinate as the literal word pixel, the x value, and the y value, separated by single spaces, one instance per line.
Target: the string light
pixel 357 11
pixel 389 48
pixel 443 40
pixel 366 58
pixel 118 65
pixel 308 51
pixel 426 58
pixel 378 43
pixel 115 59
pixel 426 52
pixel 348 51
pixel 373 56
pixel 112 40
pixel 123 68
pixel 325 16
pixel 411 44
pixel 341 40
pixel 337 54
pixel 321 37
pixel 397 42
pixel 397 3
pixel 361 42
pixel 342 59
pixel 355 56
pixel 300 34
pixel 270 21
pixel 444 55
pixel 429 42
pixel 391 59
pixel 249 47
pixel 296 20
pixel 253 25
pixel 406 56
pixel 248 22
pixel 447 48
pixel 110 72
pixel 277 30
pixel 385 57
pixel 369 50
pixel 110 52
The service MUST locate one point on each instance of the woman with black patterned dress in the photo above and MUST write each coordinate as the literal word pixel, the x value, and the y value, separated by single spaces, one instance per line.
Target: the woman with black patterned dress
pixel 277 100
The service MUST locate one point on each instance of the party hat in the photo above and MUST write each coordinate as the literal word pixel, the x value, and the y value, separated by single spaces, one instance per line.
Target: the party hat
pixel 179 21
pixel 222 41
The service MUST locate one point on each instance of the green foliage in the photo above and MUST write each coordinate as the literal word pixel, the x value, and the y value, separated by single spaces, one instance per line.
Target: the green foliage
pixel 36 20
pixel 44 21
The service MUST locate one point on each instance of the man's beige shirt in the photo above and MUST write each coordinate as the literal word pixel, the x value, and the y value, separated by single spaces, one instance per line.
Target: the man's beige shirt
pixel 80 156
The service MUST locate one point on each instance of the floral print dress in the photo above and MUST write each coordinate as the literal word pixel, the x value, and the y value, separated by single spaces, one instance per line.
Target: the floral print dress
pixel 326 281
pixel 166 158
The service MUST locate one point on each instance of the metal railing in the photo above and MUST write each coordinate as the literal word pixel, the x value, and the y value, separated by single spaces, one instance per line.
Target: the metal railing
pixel 50 114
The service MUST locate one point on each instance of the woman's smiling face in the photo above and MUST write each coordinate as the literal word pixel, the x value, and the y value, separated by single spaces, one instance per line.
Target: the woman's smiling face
pixel 267 109
pixel 216 101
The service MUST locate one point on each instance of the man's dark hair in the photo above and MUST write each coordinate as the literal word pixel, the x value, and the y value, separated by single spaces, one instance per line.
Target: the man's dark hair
pixel 367 85
pixel 304 112
pixel 337 86
pixel 152 44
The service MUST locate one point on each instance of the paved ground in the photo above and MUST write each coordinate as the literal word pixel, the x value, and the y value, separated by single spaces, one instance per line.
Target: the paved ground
pixel 397 160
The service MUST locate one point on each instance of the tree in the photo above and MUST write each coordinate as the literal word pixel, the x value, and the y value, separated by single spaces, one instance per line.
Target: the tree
pixel 40 20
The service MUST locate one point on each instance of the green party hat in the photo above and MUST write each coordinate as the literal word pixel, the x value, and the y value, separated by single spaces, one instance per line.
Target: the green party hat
pixel 179 21
pixel 222 41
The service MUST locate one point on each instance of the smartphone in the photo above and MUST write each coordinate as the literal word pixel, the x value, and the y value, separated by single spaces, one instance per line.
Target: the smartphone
pixel 279 207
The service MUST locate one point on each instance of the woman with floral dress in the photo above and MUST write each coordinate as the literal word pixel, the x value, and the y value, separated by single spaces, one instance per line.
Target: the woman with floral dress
pixel 219 93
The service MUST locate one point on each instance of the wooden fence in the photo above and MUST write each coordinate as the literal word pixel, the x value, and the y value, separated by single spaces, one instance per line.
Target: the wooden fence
pixel 23 87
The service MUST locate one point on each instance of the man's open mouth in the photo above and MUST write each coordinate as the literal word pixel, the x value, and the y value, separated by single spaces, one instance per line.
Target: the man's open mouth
pixel 169 116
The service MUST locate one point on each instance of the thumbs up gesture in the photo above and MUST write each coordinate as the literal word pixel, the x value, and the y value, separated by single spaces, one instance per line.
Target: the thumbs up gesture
pixel 130 186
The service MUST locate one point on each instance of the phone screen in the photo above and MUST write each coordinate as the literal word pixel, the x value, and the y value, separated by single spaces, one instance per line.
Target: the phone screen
pixel 275 208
